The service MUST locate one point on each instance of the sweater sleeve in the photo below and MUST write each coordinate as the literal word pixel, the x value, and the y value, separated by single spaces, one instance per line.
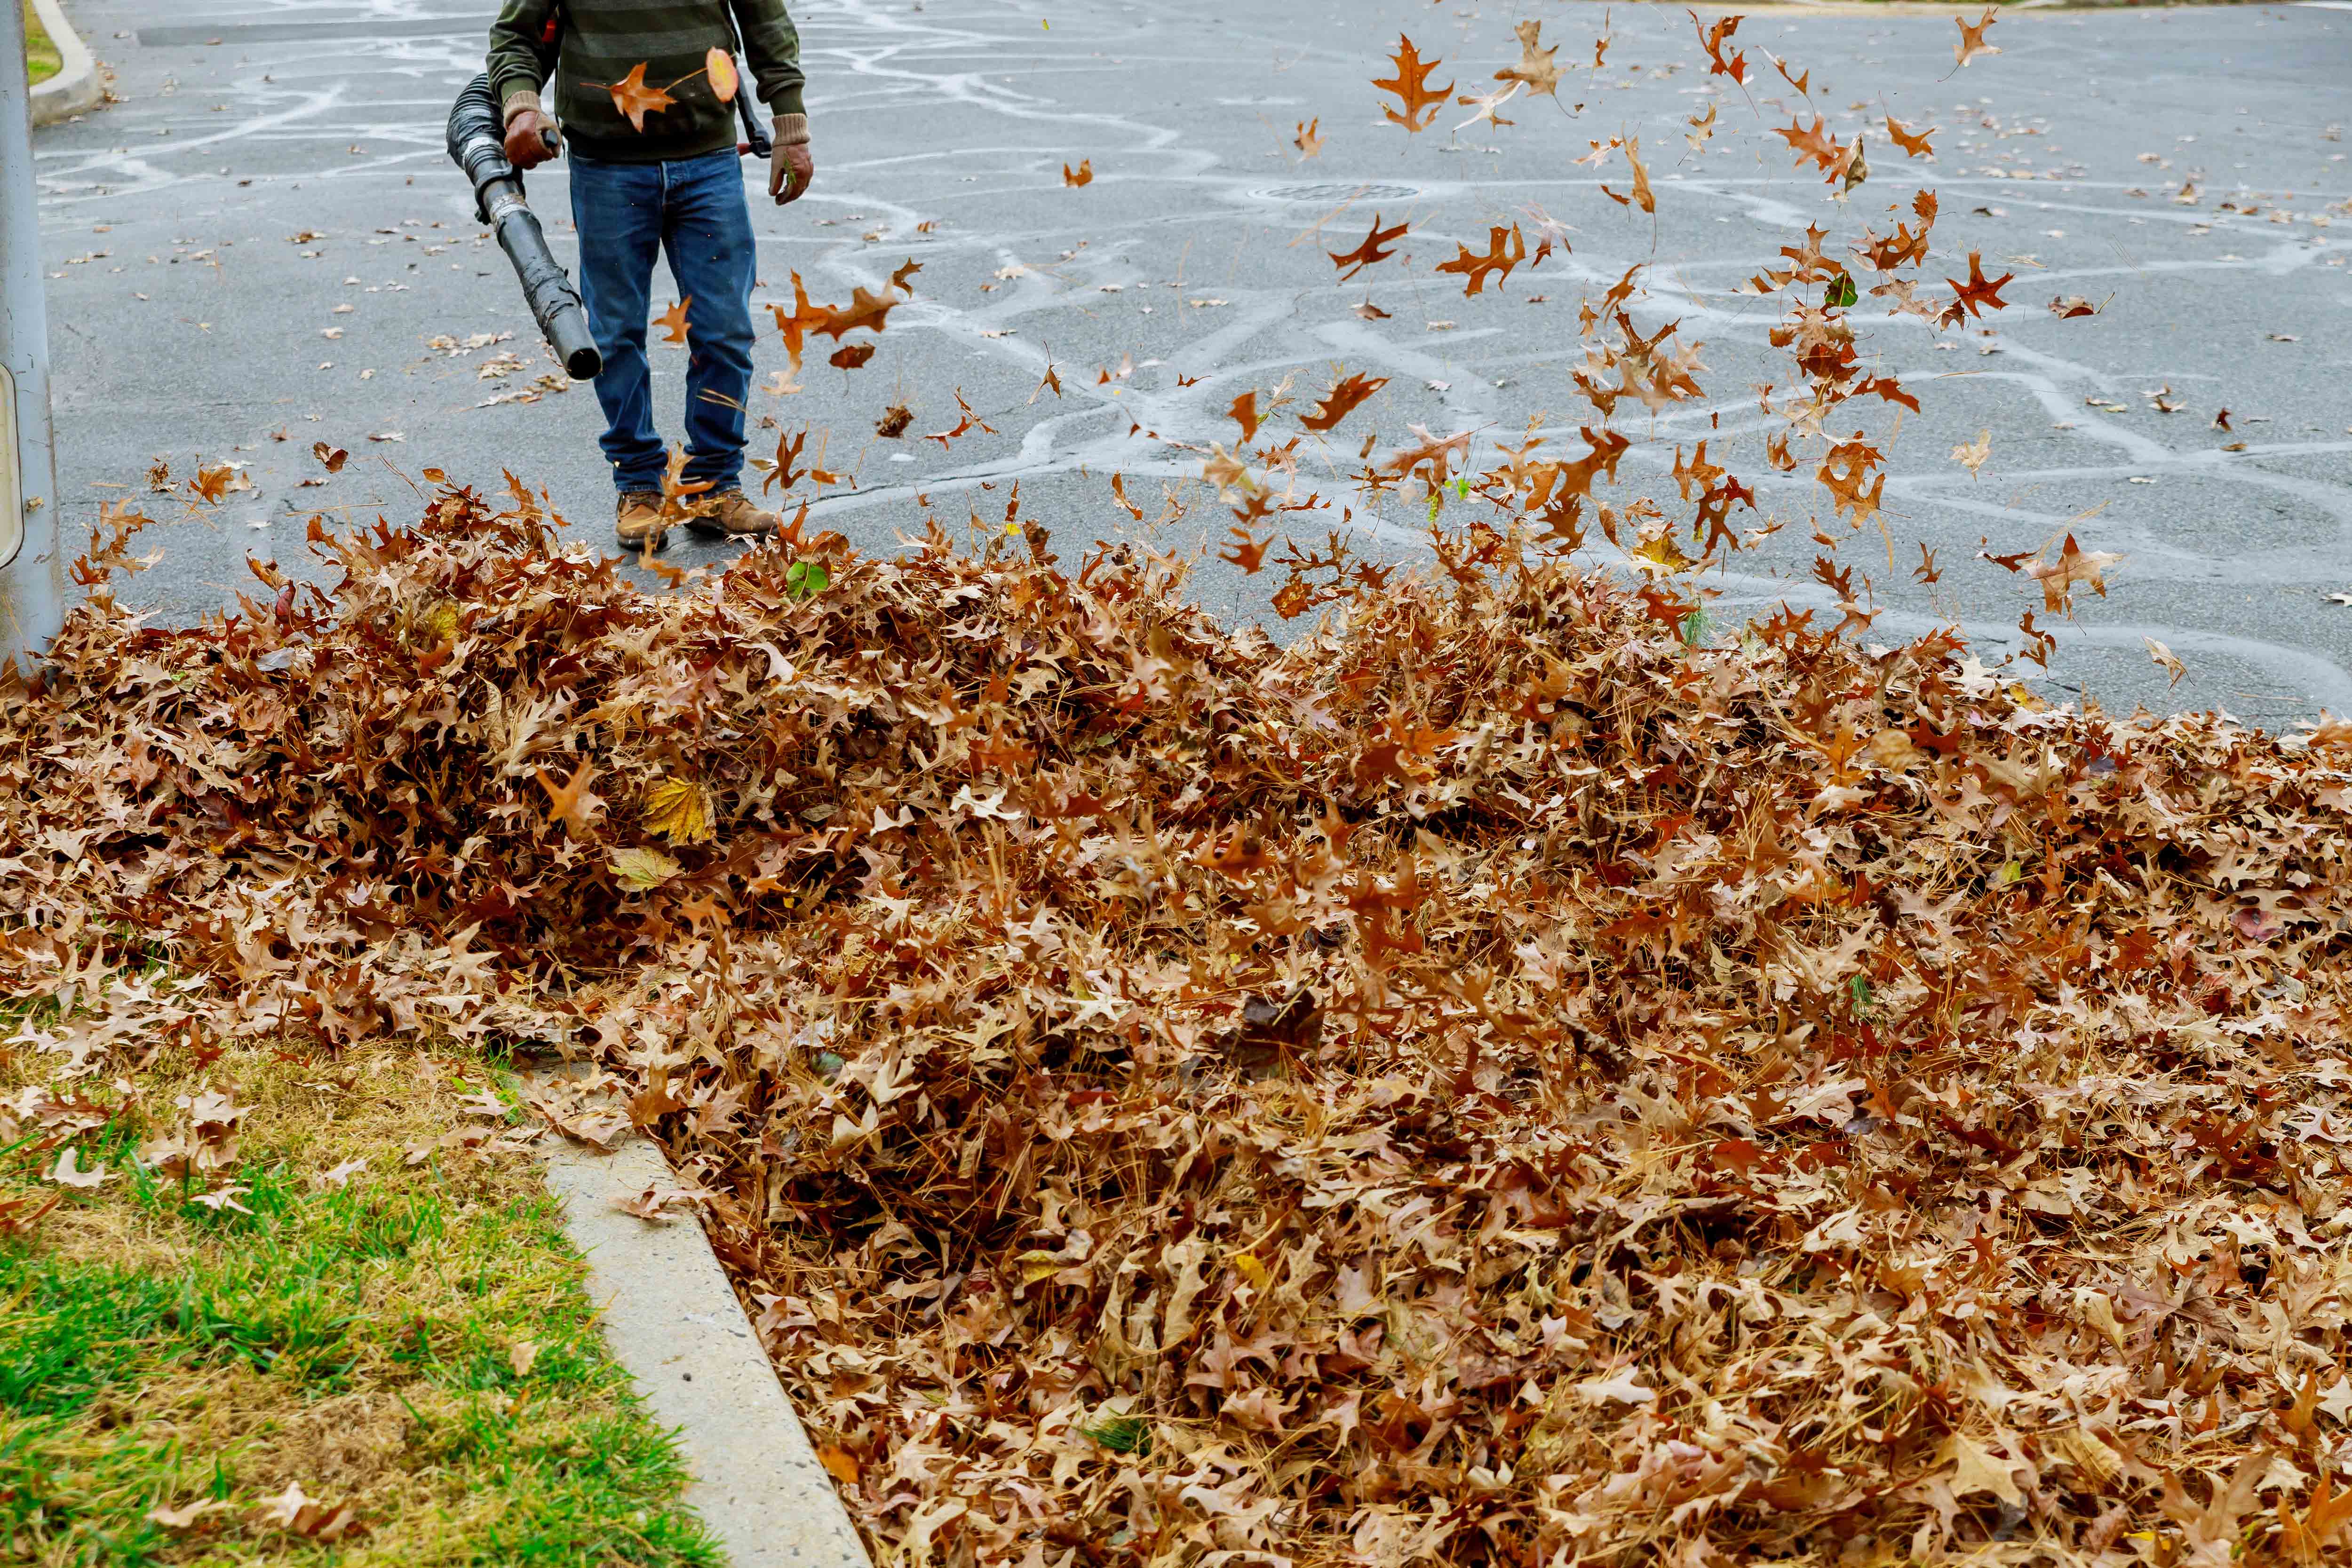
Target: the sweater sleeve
pixel 523 48
pixel 772 47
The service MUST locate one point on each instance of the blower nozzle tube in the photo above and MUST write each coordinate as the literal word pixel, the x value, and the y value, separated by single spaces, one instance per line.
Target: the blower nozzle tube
pixel 477 147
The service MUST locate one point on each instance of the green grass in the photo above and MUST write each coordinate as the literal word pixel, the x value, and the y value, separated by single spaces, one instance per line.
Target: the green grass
pixel 41 60
pixel 361 1342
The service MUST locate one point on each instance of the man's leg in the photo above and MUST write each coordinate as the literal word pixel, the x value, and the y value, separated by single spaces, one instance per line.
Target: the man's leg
pixel 617 209
pixel 714 258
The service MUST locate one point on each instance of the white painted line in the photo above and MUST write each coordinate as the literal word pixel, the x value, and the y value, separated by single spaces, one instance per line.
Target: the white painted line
pixel 673 1321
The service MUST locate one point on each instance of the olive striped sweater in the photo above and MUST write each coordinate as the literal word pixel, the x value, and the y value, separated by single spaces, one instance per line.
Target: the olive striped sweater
pixel 586 45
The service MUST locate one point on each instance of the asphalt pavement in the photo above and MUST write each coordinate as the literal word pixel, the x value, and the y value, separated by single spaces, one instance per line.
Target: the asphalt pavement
pixel 262 246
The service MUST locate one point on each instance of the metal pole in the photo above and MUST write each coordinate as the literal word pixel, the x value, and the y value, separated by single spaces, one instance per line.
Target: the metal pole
pixel 32 568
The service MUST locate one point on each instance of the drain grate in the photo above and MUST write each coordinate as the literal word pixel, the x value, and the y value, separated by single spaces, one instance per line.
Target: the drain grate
pixel 1326 194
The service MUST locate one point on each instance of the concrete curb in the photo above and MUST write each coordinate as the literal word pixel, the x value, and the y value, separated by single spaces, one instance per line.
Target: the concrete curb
pixel 75 89
pixel 672 1320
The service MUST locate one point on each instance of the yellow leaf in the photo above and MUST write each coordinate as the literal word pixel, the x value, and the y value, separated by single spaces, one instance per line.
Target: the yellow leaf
pixel 839 1463
pixel 437 627
pixel 1037 1265
pixel 679 811
pixel 1659 552
pixel 642 869
pixel 1246 1265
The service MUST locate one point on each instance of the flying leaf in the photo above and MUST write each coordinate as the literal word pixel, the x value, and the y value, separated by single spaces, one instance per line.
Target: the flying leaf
pixel 1227 472
pixel 1970 299
pixel 865 308
pixel 1341 400
pixel 719 67
pixel 1410 85
pixel 1246 552
pixel 1972 41
pixel 1488 104
pixel 1642 195
pixel 1119 491
pixel 333 457
pixel 634 100
pixel 2073 564
pixel 1506 248
pixel 1243 413
pixel 1843 469
pixel 1366 253
pixel 1816 143
pixel 803 318
pixel 1309 139
pixel 1912 145
pixel 1857 167
pixel 1973 456
pixel 1702 128
pixel 851 358
pixel 211 484
pixel 673 320
pixel 1083 175
pixel 970 422
pixel 779 470
pixel 2165 659
pixel 1712 40
pixel 1536 70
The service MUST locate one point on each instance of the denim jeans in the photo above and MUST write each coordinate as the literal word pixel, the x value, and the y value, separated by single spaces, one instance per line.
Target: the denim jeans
pixel 694 210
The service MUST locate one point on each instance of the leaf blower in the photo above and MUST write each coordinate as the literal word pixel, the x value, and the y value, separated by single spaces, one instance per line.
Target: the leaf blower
pixel 477 146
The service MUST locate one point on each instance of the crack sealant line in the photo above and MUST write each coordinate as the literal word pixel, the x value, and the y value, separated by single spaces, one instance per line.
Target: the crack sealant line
pixel 2321 679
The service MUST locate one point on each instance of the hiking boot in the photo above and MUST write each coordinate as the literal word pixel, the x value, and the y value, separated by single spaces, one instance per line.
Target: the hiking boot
pixel 637 520
pixel 730 514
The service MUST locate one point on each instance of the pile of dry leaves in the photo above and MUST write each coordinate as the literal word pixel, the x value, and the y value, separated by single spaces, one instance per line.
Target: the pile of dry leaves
pixel 1493 1082
pixel 1499 1081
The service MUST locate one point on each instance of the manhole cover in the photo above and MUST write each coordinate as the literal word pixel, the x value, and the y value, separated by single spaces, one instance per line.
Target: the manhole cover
pixel 1335 193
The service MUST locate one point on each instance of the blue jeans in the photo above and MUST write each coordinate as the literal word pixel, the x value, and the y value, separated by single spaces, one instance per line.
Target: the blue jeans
pixel 693 209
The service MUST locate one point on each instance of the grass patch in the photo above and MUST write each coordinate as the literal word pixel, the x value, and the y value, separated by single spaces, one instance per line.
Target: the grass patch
pixel 410 1345
pixel 41 59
